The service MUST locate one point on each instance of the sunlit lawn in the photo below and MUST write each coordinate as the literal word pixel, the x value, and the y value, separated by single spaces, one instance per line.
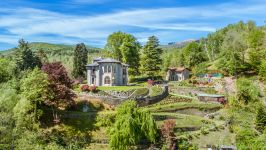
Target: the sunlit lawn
pixel 119 88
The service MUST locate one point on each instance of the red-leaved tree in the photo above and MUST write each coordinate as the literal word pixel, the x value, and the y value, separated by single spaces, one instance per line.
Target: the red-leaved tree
pixel 60 93
pixel 167 130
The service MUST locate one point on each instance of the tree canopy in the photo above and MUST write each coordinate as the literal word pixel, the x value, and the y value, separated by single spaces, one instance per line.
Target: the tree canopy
pixel 151 60
pixel 131 126
pixel 80 61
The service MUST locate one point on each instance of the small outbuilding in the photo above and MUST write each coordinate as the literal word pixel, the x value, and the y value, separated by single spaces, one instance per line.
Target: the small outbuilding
pixel 177 74
pixel 215 98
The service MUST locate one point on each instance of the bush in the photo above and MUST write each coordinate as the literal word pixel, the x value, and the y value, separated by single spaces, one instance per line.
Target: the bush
pixel 150 82
pixel 84 88
pixel 106 120
pixel 262 70
pixel 168 133
pixel 246 91
pixel 91 105
pixel 93 88
pixel 261 119
pixel 183 83
pixel 144 78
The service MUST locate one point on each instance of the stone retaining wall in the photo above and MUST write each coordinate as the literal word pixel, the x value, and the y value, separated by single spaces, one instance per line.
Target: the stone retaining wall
pixel 112 100
pixel 144 101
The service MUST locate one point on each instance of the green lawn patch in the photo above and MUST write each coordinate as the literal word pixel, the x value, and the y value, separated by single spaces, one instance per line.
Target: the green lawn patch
pixel 119 88
pixel 156 90
pixel 217 138
pixel 184 105
pixel 140 92
pixel 182 120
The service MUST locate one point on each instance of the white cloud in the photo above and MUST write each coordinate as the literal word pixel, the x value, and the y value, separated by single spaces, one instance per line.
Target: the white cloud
pixel 36 24
pixel 89 1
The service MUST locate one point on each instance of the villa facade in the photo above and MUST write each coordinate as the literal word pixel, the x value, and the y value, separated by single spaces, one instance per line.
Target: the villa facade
pixel 107 72
pixel 177 74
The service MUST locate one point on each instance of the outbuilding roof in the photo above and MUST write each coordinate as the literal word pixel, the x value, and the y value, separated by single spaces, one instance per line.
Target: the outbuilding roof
pixel 178 69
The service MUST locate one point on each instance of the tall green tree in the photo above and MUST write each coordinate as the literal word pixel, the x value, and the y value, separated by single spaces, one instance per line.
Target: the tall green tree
pixel 131 126
pixel 193 54
pixel 34 88
pixel 25 58
pixel 213 45
pixel 114 41
pixel 255 38
pixel 130 54
pixel 8 100
pixel 151 60
pixel 80 61
pixel 233 54
pixel 256 52
pixel 6 69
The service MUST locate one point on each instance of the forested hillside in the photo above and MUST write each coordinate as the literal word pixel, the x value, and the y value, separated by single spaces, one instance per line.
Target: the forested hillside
pixel 235 49
pixel 46 104
pixel 57 52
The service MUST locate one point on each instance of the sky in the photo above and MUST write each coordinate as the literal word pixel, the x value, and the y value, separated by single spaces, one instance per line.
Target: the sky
pixel 91 21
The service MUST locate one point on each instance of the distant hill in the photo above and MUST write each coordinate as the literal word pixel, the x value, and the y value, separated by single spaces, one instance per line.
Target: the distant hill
pixel 180 44
pixel 51 48
pixel 58 52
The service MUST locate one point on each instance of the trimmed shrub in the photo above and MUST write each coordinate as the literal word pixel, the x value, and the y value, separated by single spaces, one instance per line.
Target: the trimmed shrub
pixel 85 88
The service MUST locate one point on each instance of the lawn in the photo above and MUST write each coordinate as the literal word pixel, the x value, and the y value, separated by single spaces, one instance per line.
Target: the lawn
pixel 182 120
pixel 184 105
pixel 119 88
pixel 156 90
pixel 221 137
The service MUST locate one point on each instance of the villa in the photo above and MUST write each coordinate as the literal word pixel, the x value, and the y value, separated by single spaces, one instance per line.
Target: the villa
pixel 107 72
pixel 177 74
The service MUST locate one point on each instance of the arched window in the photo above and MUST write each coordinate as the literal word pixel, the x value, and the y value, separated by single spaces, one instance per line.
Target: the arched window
pixel 107 80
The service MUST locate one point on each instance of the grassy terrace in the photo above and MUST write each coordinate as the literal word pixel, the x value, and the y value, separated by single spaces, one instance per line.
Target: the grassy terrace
pixel 156 91
pixel 182 120
pixel 119 88
pixel 184 105
pixel 222 137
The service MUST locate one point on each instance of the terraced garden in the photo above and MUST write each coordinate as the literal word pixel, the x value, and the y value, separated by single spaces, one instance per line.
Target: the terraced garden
pixel 198 122
pixel 194 120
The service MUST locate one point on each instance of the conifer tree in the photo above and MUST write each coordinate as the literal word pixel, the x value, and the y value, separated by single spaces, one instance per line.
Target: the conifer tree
pixel 25 58
pixel 80 61
pixel 151 60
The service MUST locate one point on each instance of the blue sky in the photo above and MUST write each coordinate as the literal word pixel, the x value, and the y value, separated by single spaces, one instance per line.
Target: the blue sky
pixel 91 21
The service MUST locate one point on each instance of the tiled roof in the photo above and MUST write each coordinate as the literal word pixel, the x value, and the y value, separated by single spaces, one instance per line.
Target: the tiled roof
pixel 178 69
pixel 107 60
pixel 93 64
